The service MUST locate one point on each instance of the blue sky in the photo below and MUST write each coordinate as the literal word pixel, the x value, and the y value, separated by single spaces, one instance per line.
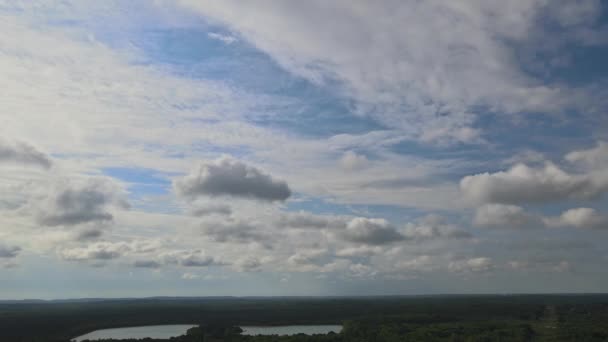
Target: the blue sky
pixel 313 148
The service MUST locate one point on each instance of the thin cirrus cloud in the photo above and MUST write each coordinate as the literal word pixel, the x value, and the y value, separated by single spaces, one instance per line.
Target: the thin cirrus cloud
pixel 392 62
pixel 233 178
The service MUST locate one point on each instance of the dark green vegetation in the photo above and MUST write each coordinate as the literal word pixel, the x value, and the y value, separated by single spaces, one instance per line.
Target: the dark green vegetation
pixel 432 318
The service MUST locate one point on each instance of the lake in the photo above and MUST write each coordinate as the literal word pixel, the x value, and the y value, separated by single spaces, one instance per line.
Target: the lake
pixel 153 331
pixel 291 329
pixel 166 331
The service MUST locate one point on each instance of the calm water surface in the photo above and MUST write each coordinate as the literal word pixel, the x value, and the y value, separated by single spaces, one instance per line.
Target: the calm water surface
pixel 153 331
pixel 291 329
pixel 166 331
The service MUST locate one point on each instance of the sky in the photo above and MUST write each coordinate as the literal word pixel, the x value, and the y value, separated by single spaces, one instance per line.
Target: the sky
pixel 312 148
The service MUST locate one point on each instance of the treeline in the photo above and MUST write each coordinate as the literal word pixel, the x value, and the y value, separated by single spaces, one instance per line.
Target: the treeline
pixel 435 318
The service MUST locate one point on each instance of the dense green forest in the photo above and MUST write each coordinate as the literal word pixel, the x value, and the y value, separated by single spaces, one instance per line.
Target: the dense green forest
pixel 420 318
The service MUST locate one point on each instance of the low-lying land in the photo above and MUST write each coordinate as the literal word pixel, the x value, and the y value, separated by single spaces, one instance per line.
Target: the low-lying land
pixel 419 318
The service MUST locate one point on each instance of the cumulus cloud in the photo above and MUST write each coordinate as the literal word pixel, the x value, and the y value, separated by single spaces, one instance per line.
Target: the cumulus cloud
pixel 237 231
pixel 305 257
pixel 512 216
pixel 230 177
pixel 505 216
pixel 433 226
pixel 352 161
pixel 190 258
pixel 587 218
pixel 8 252
pixel 95 251
pixel 473 265
pixel 373 231
pixel 523 184
pixel 307 220
pixel 248 264
pixel 71 203
pixel 22 153
pixel 596 157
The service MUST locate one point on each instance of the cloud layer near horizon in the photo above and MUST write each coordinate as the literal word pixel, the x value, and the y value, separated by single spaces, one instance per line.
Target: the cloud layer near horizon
pixel 303 148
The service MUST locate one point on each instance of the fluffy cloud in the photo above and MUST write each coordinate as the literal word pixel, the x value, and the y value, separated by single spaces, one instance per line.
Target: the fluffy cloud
pixel 234 231
pixel 523 184
pixel 596 157
pixel 96 251
pixel 371 231
pixel 505 216
pixel 22 153
pixel 190 258
pixel 248 264
pixel 230 177
pixel 582 218
pixel 433 226
pixel 76 202
pixel 306 220
pixel 352 161
pixel 305 257
pixel 512 216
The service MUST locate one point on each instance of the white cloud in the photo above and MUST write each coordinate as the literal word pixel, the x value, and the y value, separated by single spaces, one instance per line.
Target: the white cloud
pixel 373 231
pixel 95 251
pixel 227 39
pixel 389 58
pixel 596 158
pixel 523 184
pixel 305 257
pixel 433 226
pixel 307 220
pixel 587 218
pixel 506 216
pixel 248 264
pixel 352 161
pixel 230 177
pixel 238 231
pixel 190 258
